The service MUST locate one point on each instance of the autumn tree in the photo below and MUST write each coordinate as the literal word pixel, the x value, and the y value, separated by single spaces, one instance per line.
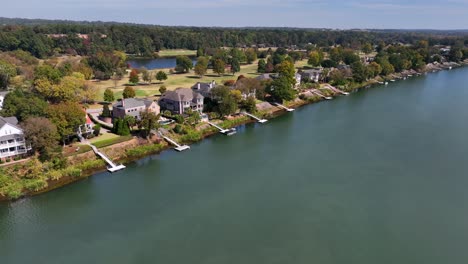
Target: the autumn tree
pixel 314 59
pixel 145 75
pixel 128 92
pixel 134 78
pixel 162 89
pixel 42 134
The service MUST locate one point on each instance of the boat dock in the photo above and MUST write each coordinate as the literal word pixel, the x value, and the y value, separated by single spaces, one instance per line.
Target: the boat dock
pixel 227 132
pixel 335 90
pixel 112 166
pixel 283 107
pixel 319 94
pixel 178 147
pixel 256 118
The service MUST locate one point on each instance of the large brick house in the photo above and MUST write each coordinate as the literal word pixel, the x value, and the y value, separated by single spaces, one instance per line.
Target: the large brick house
pixel 133 107
pixel 181 99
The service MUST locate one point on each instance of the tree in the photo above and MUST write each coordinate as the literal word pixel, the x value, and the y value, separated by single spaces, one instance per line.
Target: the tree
pixel 261 66
pixel 251 55
pixel 23 104
pixel 224 102
pixel 134 78
pixel 219 66
pixel 235 66
pixel 120 127
pixel 42 134
pixel 337 77
pixel 109 95
pixel 7 71
pixel 148 122
pixel 162 89
pixel 145 75
pixel 359 72
pixel 193 117
pixel 67 116
pixel 249 104
pixel 105 111
pixel 201 67
pixel 314 59
pixel 183 64
pixel 281 89
pixel 161 76
pixel 367 48
pixel 374 69
pixel 128 92
pixel 286 70
pixel 47 72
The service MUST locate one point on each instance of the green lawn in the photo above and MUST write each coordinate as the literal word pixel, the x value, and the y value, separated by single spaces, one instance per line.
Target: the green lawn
pixel 176 52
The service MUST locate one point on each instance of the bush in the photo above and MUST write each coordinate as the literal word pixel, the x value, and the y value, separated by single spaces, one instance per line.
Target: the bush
pixel 144 150
pixel 178 129
pixel 35 184
pixel 97 130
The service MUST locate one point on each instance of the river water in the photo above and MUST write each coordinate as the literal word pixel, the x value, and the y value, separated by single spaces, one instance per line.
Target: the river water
pixel 379 176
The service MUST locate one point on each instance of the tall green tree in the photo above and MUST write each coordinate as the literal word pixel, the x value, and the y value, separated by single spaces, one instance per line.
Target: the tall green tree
pixel 201 67
pixel 219 66
pixel 148 122
pixel 261 66
pixel 359 72
pixel 67 116
pixel 128 92
pixel 224 103
pixel 23 104
pixel 109 95
pixel 235 66
pixel 281 89
pixel 161 76
pixel 183 64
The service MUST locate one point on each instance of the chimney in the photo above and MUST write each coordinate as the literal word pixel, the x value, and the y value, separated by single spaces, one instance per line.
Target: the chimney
pixel 198 86
pixel 123 102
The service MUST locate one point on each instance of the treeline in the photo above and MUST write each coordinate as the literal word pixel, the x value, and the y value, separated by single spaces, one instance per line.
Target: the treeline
pixel 144 40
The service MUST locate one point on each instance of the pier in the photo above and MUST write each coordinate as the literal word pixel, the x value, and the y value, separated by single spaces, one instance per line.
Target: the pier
pixel 283 107
pixel 178 147
pixel 112 166
pixel 319 94
pixel 256 118
pixel 335 89
pixel 227 132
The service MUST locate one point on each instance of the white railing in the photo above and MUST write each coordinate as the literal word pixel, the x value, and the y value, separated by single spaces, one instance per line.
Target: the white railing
pixel 13 153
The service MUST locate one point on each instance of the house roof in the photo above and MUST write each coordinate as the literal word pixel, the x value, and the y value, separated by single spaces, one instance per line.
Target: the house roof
pixel 265 76
pixel 130 103
pixel 204 88
pixel 181 94
pixel 8 120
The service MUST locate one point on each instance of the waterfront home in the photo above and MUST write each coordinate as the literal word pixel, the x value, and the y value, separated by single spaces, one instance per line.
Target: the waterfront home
pixel 181 99
pixel 204 88
pixel 12 141
pixel 2 98
pixel 133 107
pixel 312 75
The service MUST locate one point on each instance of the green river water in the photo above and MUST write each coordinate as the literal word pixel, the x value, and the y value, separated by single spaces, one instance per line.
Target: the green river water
pixel 379 176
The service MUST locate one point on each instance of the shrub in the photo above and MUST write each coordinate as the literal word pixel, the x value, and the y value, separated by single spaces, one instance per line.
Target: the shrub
pixel 35 184
pixel 178 129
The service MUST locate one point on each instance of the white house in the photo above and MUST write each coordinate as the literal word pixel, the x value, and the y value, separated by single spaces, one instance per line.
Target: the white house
pixel 2 98
pixel 12 142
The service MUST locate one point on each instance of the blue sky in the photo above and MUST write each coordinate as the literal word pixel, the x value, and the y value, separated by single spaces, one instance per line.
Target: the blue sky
pixel 435 14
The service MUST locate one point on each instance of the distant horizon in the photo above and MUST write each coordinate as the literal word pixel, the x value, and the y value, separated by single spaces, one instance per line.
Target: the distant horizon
pixel 309 14
pixel 205 26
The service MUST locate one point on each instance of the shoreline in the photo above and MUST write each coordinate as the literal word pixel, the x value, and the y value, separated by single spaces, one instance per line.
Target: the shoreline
pixel 161 146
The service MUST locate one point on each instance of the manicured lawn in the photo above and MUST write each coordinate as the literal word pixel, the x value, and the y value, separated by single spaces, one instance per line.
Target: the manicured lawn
pixel 174 81
pixel 177 52
pixel 111 141
pixel 105 136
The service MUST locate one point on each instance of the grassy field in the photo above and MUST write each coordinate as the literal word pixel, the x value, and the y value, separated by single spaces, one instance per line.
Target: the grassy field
pixel 176 52
pixel 174 81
